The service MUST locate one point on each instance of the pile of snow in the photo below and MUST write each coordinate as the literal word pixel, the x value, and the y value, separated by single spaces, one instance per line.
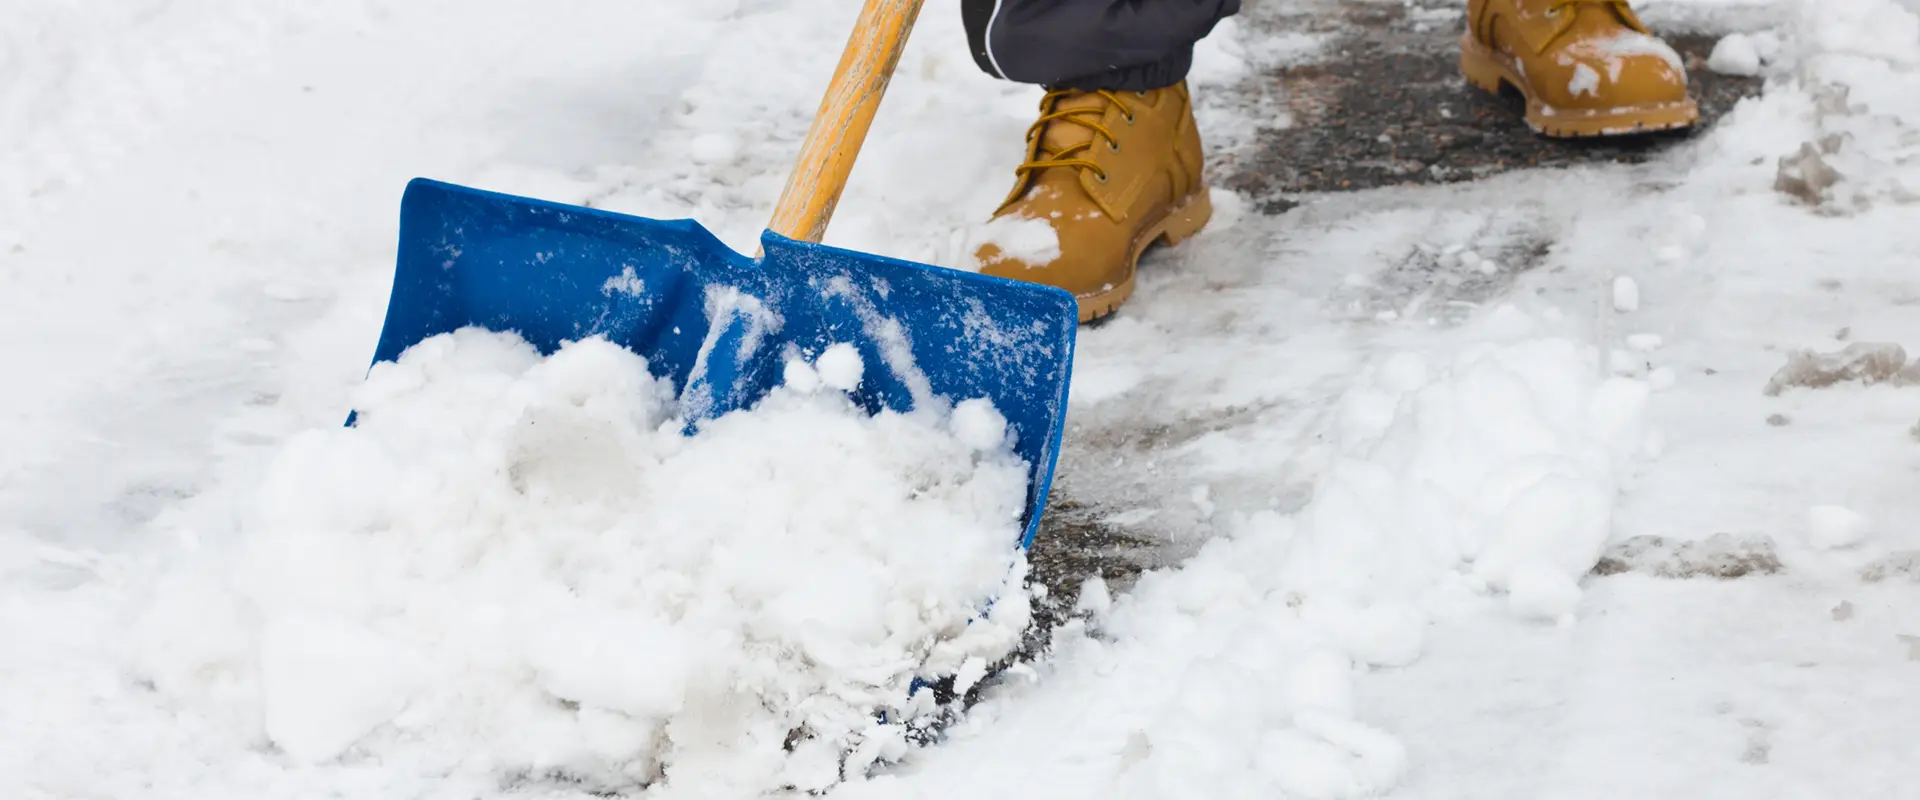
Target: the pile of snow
pixel 519 568
pixel 1463 480
pixel 1501 462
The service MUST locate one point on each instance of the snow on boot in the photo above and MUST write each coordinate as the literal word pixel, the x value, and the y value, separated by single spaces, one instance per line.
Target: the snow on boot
pixel 1110 173
pixel 1586 67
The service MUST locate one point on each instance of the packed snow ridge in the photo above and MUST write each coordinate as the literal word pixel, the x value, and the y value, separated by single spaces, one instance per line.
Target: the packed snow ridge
pixel 518 567
pixel 1468 479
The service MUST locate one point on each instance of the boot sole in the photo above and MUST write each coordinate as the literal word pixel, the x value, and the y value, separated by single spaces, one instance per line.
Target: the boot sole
pixel 1180 224
pixel 1487 70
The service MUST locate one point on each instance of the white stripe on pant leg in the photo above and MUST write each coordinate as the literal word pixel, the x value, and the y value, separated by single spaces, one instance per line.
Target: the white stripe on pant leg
pixel 986 40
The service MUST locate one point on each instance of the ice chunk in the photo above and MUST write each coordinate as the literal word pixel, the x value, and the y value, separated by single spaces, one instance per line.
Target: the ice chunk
pixel 1901 565
pixel 977 424
pixel 1626 294
pixel 1722 555
pixel 1830 527
pixel 1735 54
pixel 1866 362
pixel 801 377
pixel 1806 175
pixel 841 367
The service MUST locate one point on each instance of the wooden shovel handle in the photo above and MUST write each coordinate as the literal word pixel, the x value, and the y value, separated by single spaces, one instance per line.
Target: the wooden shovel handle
pixel 840 126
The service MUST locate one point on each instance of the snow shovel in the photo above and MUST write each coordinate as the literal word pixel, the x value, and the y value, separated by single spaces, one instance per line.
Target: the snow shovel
pixel 722 325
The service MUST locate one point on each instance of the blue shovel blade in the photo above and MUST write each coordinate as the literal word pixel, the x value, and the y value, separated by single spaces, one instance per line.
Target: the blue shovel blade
pixel 721 325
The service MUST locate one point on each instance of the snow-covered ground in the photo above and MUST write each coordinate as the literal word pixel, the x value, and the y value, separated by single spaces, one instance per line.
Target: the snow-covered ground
pixel 1385 437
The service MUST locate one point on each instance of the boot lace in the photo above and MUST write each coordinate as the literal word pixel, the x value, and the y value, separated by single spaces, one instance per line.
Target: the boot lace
pixel 1087 117
pixel 1555 6
pixel 1557 9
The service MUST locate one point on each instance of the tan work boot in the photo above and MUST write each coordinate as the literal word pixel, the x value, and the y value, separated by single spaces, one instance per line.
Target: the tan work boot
pixel 1586 67
pixel 1111 172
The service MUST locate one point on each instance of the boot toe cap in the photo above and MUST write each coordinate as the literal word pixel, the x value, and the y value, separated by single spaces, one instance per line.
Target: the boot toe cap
pixel 1084 265
pixel 1606 81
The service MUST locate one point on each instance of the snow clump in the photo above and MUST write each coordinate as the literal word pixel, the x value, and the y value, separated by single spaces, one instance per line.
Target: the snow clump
pixel 517 568
pixel 1831 527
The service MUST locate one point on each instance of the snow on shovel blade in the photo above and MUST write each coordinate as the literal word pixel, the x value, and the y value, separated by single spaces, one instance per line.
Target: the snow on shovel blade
pixel 722 325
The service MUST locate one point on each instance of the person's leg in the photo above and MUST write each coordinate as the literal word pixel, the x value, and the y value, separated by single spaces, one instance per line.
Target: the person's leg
pixel 1122 45
pixel 1113 164
pixel 1586 67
